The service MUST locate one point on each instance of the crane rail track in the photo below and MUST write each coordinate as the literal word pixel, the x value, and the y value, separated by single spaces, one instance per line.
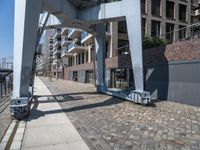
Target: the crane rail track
pixel 4 102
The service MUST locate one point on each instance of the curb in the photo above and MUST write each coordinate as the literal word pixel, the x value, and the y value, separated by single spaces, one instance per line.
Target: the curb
pixel 14 136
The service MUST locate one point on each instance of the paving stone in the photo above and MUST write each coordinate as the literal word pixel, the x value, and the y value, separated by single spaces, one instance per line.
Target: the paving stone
pixel 118 124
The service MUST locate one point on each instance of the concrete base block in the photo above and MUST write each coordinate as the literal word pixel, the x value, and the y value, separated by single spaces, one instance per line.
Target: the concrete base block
pixel 19 107
pixel 141 97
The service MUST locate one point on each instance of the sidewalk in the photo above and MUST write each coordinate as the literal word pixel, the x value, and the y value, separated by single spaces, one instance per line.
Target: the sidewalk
pixel 48 127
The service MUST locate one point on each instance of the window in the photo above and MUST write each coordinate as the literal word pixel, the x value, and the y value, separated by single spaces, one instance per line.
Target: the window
pixel 155 28
pixel 143 6
pixel 155 7
pixel 107 49
pixel 169 31
pixel 83 57
pixel 143 26
pixel 170 10
pixel 79 59
pixel 122 28
pixel 123 47
pixel 182 12
pixel 182 32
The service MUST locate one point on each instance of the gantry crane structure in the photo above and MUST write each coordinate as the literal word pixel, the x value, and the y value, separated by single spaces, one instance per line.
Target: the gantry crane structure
pixel 34 16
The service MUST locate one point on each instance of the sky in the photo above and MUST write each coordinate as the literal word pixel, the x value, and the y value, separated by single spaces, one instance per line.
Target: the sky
pixel 6 27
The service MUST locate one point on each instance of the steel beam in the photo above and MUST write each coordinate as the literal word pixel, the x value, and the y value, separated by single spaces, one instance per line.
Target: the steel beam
pixel 25 33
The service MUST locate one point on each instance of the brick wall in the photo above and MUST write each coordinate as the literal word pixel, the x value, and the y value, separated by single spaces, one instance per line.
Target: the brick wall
pixel 186 50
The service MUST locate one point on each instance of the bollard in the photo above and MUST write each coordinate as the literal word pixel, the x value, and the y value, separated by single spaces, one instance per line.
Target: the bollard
pixel 1 91
pixel 5 88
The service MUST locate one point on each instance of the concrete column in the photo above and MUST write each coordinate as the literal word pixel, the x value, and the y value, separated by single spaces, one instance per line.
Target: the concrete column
pixel 75 59
pixel 85 59
pixel 99 39
pixel 135 36
pixel 89 54
pixel 163 14
pixel 148 19
pixel 114 39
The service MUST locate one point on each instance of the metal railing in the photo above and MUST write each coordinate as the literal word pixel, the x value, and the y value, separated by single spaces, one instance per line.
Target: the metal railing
pixel 70 46
pixel 185 33
pixel 6 86
pixel 196 2
pixel 84 35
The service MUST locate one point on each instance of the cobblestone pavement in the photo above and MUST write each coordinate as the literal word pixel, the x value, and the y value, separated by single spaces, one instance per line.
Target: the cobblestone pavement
pixel 107 123
pixel 5 120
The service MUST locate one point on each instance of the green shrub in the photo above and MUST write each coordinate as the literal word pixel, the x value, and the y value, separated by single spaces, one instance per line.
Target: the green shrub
pixel 149 42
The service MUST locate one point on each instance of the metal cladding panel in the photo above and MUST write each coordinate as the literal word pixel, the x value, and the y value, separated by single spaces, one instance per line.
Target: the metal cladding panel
pixel 177 81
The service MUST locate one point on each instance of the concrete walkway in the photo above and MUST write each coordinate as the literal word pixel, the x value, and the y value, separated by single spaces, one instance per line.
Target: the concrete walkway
pixel 48 127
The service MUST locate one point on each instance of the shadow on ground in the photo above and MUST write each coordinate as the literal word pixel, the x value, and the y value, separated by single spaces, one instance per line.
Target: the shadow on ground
pixel 35 113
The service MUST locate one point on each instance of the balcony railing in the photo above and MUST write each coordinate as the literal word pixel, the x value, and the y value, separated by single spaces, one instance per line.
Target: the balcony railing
pixel 6 86
pixel 70 31
pixel 65 53
pixel 64 31
pixel 196 2
pixel 70 46
pixel 85 36
pixel 65 41
pixel 74 32
pixel 74 48
pixel 185 33
pixel 197 12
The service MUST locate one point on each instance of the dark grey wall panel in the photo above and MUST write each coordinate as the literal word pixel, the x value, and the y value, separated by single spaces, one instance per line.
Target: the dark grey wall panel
pixel 175 81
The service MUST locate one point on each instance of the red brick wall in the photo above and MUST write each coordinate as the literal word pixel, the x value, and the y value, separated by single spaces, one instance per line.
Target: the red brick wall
pixel 186 50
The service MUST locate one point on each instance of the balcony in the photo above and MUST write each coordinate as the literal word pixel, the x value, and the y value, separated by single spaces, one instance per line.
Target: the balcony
pixel 56 44
pixel 57 34
pixel 197 12
pixel 65 41
pixel 64 31
pixel 195 4
pixel 56 52
pixel 55 61
pixel 74 33
pixel 65 53
pixel 74 48
pixel 85 36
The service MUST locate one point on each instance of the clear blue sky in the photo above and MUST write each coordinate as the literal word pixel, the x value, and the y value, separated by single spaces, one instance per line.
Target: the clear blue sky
pixel 6 27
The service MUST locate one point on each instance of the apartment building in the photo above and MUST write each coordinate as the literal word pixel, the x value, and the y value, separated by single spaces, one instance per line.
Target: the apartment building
pixel 195 13
pixel 57 62
pixel 45 59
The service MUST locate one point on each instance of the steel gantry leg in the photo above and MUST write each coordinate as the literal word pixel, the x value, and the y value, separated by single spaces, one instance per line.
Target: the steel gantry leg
pixel 133 19
pixel 99 39
pixel 25 33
